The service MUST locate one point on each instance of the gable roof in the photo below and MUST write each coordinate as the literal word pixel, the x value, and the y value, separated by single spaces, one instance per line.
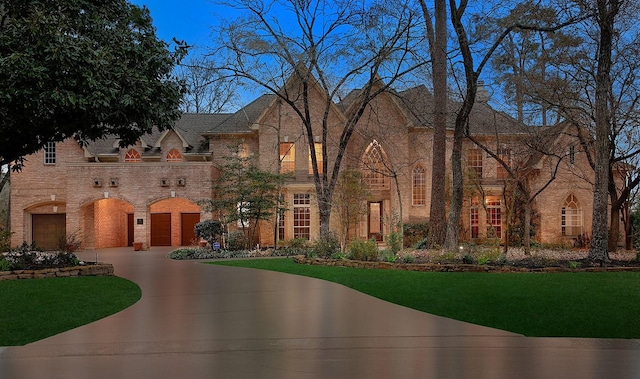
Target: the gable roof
pixel 243 120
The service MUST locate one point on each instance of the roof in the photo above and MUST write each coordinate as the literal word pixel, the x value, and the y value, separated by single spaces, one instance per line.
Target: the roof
pixel 190 128
pixel 243 120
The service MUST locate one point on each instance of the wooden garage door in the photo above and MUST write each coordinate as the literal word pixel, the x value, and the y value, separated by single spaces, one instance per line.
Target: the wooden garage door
pixel 187 222
pixel 47 230
pixel 161 229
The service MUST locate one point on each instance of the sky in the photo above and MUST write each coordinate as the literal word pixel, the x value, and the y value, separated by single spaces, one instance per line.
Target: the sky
pixel 188 20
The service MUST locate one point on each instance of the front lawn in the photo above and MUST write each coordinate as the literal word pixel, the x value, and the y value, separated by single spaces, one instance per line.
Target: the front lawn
pixel 34 309
pixel 597 305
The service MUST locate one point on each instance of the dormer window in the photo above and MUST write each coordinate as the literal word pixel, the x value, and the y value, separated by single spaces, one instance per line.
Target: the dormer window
pixel 174 156
pixel 132 156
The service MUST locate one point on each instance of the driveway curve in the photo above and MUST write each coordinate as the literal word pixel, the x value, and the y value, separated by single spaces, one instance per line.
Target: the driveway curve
pixel 204 321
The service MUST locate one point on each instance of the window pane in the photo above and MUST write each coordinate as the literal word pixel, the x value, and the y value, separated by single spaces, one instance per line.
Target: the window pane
pixel 287 157
pixel 50 153
pixel 419 186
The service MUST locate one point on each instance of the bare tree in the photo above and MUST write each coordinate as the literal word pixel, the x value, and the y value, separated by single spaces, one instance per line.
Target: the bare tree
pixel 469 89
pixel 206 89
pixel 331 46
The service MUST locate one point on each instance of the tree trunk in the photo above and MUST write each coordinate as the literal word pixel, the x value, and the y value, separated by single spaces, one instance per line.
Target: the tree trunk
pixel 526 239
pixel 438 210
pixel 607 11
pixel 614 230
pixel 453 225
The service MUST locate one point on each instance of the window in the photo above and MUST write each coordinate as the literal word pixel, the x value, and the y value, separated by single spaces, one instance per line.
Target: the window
pixel 50 153
pixel 318 147
pixel 301 216
pixel 174 156
pixel 572 154
pixel 474 217
pixel 281 225
pixel 287 157
pixel 571 217
pixel 494 217
pixel 505 155
pixel 474 159
pixel 132 156
pixel 374 167
pixel 419 186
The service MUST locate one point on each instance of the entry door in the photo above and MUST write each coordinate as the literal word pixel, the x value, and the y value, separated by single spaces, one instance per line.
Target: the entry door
pixel 48 229
pixel 375 220
pixel 161 229
pixel 188 221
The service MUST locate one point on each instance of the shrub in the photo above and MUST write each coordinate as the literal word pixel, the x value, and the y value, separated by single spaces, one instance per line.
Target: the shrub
pixel 70 242
pixel 408 259
pixel 237 240
pixel 5 240
pixel 27 257
pixel 415 232
pixel 208 230
pixel 326 246
pixel 363 250
pixel 5 265
pixel 422 244
pixel 394 241
pixel 469 259
pixel 389 256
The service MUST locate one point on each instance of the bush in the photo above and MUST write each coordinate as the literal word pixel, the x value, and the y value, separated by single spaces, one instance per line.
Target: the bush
pixel 237 240
pixel 28 257
pixel 208 230
pixel 422 244
pixel 394 241
pixel 5 265
pixel 5 240
pixel 363 250
pixel 70 242
pixel 389 256
pixel 326 246
pixel 413 233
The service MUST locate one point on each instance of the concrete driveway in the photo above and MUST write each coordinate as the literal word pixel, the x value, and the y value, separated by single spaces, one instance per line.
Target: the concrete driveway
pixel 203 321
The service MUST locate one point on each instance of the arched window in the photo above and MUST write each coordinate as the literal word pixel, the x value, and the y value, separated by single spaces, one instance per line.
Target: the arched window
pixel 374 168
pixel 571 217
pixel 132 156
pixel 419 186
pixel 174 156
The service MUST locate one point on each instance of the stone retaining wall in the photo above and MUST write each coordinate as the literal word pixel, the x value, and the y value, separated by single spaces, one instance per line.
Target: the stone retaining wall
pixel 101 269
pixel 448 267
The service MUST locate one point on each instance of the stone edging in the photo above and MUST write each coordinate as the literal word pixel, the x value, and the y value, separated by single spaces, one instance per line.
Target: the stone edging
pixel 449 267
pixel 100 269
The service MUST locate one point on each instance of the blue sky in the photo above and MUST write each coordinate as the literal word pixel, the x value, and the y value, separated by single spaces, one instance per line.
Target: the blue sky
pixel 188 20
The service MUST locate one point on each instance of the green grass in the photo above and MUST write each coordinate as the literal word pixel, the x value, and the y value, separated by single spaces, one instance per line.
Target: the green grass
pixel 34 309
pixel 596 305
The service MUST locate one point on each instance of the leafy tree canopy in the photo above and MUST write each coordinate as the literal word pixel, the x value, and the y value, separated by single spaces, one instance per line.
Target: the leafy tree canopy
pixel 83 69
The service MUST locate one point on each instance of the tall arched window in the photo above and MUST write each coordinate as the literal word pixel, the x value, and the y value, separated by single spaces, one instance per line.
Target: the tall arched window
pixel 174 156
pixel 132 156
pixel 373 166
pixel 419 186
pixel 571 217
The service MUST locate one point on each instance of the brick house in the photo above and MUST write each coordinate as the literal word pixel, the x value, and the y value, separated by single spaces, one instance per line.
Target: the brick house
pixel 149 192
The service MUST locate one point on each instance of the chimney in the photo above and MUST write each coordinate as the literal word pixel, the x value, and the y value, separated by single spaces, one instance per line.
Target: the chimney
pixel 482 95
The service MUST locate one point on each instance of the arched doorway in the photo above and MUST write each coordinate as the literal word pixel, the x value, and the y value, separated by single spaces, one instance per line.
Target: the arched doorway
pixel 107 223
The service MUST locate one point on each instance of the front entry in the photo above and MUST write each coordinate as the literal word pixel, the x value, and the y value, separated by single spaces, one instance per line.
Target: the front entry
pixel 375 220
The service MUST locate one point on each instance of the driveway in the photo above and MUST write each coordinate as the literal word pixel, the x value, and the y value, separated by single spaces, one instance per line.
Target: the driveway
pixel 203 321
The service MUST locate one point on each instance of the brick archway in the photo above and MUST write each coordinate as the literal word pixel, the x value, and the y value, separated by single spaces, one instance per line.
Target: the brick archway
pixel 105 223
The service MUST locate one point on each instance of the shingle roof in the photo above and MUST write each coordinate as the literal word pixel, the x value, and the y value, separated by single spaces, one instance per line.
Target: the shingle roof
pixel 190 126
pixel 243 119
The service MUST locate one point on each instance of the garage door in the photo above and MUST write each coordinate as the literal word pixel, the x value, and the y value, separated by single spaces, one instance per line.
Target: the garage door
pixel 161 229
pixel 188 221
pixel 47 230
